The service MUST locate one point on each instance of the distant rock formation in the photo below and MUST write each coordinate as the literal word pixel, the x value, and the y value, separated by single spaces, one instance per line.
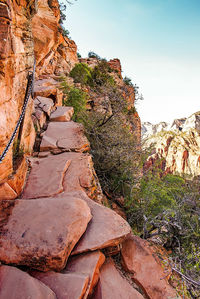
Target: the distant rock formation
pixel 177 143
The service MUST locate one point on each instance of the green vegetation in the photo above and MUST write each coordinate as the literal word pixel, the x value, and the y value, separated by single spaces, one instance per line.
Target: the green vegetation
pixel 76 98
pixel 128 81
pixel 81 73
pixel 167 208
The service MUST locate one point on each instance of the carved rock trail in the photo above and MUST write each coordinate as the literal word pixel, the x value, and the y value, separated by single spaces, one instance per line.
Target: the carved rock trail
pixel 58 228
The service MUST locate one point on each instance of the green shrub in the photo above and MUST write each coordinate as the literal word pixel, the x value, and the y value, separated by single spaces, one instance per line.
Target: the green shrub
pixel 81 73
pixel 94 55
pixel 101 76
pixel 75 98
pixel 128 81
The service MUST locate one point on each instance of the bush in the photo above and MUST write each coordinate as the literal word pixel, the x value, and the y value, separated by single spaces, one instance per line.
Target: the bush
pixel 128 81
pixel 94 55
pixel 75 98
pixel 81 73
pixel 101 76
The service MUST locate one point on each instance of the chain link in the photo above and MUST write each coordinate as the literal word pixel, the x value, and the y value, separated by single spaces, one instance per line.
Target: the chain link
pixel 29 91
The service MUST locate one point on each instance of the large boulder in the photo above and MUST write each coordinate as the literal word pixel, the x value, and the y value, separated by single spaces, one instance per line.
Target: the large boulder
pixel 41 233
pixel 112 285
pixel 16 284
pixel 140 259
pixel 106 229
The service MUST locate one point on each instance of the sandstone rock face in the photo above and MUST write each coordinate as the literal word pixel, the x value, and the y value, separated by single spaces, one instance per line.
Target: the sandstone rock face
pixel 179 146
pixel 17 181
pixel 16 59
pixel 113 285
pixel 115 64
pixel 46 176
pixel 54 53
pixel 41 233
pixel 64 136
pixel 140 260
pixel 65 286
pixel 106 229
pixel 16 284
pixel 6 192
pixel 88 264
pixel 49 88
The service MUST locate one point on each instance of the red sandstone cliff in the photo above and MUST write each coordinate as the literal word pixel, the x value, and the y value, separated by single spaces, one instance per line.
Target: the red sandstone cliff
pixel 27 29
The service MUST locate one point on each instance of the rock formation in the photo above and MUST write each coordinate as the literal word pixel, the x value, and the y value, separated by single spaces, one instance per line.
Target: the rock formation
pixel 57 240
pixel 177 143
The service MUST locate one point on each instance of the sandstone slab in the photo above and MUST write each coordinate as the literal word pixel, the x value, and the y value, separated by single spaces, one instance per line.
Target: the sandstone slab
pixel 65 136
pixel 139 259
pixel 16 284
pixel 62 114
pixel 112 285
pixel 81 176
pixel 65 286
pixel 41 233
pixel 88 264
pixel 46 176
pixel 106 228
pixel 45 104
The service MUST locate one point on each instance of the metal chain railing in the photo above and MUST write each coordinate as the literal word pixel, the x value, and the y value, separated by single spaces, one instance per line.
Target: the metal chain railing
pixel 29 90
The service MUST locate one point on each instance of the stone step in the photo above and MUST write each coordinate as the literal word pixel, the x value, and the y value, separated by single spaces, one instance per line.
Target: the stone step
pixel 88 264
pixel 106 228
pixel 16 284
pixel 62 114
pixel 64 136
pixel 65 286
pixel 112 285
pixel 46 176
pixel 78 279
pixel 41 233
pixel 140 259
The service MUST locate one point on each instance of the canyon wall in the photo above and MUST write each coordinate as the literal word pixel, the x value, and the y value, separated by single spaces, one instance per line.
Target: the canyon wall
pixel 28 30
pixel 177 144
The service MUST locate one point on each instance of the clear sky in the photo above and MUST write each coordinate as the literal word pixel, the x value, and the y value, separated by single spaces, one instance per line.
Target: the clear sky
pixel 158 43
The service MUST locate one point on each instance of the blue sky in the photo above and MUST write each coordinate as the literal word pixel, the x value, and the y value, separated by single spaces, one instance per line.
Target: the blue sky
pixel 158 43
